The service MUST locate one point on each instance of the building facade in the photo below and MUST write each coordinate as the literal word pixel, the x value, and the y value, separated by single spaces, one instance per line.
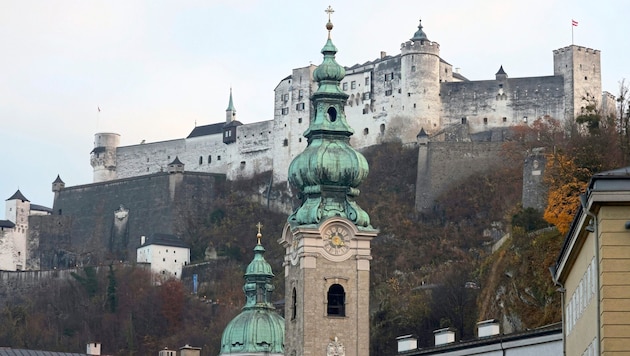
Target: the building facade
pixel 391 98
pixel 593 267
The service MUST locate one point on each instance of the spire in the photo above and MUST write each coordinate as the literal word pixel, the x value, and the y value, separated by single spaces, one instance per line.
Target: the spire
pixel 419 36
pixel 329 170
pixel 501 74
pixel 18 196
pixel 230 112
pixel 58 184
pixel 258 328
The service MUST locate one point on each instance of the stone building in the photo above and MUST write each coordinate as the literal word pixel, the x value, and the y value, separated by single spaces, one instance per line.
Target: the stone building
pixel 391 98
pixel 592 269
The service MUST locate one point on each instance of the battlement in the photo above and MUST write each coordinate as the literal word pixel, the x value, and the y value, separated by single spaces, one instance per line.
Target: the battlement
pixel 420 47
pixel 575 48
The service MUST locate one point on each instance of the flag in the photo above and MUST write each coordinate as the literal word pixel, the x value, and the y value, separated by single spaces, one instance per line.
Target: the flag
pixel 574 23
pixel 99 108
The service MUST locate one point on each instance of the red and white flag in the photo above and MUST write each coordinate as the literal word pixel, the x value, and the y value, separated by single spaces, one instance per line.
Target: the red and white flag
pixel 574 23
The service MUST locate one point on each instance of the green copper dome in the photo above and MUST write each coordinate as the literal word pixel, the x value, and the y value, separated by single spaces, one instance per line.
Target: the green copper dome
pixel 328 172
pixel 419 36
pixel 258 329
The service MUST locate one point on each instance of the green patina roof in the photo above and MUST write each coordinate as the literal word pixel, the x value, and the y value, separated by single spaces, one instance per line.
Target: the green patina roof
pixel 231 103
pixel 419 35
pixel 328 172
pixel 258 328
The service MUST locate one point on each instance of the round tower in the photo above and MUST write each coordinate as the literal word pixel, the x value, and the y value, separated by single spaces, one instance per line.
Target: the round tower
pixel 103 156
pixel 420 83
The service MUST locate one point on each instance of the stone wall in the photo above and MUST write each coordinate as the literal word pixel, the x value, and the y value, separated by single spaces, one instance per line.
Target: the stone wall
pixel 104 221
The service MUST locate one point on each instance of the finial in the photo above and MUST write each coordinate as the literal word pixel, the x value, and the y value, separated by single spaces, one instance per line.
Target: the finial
pixel 329 25
pixel 259 235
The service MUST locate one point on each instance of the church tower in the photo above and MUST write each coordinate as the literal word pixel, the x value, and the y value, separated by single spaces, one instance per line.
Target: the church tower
pixel 327 238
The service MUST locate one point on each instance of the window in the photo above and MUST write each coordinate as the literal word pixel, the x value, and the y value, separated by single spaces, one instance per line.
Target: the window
pixel 382 128
pixel 299 106
pixel 388 92
pixel 366 96
pixel 147 159
pixel 413 68
pixel 228 133
pixel 293 304
pixel 485 121
pixel 332 114
pixel 353 85
pixel 218 158
pixel 299 120
pixel 300 94
pixel 285 143
pixel 285 97
pixel 504 119
pixel 345 86
pixel 200 159
pixel 367 81
pixel 336 301
pixel 366 131
pixel 285 111
pixel 463 120
pixel 389 76
pixel 209 159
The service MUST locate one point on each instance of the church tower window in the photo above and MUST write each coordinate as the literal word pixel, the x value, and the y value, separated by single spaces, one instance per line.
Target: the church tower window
pixel 293 304
pixel 336 301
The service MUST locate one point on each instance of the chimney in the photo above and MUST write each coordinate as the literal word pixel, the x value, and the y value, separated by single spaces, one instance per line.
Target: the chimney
pixel 383 54
pixel 407 343
pixel 93 348
pixel 444 336
pixel 142 240
pixel 488 328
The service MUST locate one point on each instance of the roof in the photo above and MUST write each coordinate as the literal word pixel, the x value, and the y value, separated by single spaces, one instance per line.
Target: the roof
pixel 99 149
pixel 176 161
pixel 6 223
pixel 41 208
pixel 18 196
pixel 206 130
pixel 165 240
pixel 24 352
pixel 501 71
pixel 547 330
pixel 58 180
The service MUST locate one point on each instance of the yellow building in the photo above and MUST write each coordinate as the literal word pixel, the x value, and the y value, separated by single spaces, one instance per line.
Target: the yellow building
pixel 593 269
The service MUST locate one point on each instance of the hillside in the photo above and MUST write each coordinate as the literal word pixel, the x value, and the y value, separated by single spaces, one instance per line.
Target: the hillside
pixel 421 269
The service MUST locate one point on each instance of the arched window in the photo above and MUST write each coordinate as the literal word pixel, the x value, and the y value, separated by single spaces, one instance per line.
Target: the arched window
pixel 200 159
pixel 293 304
pixel 366 131
pixel 382 128
pixel 332 114
pixel 336 301
pixel 209 159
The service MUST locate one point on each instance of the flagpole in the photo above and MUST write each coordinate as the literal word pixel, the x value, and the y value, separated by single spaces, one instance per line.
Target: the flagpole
pixel 572 26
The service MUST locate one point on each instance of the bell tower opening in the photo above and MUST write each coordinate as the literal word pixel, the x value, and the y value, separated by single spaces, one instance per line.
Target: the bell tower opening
pixel 336 301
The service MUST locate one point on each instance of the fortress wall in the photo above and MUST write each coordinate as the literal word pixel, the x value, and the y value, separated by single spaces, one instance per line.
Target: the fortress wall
pixel 440 164
pixel 155 203
pixel 512 99
pixel 148 158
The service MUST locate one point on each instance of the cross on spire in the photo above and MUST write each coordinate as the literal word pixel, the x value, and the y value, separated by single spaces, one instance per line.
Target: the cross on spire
pixel 259 235
pixel 329 25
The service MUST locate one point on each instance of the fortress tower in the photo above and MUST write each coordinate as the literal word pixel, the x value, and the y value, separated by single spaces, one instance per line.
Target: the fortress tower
pixel 420 82
pixel 103 156
pixel 327 239
pixel 581 69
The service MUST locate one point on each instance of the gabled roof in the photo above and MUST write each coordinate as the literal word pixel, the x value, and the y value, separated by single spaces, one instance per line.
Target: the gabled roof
pixel 206 130
pixel 18 196
pixel 165 240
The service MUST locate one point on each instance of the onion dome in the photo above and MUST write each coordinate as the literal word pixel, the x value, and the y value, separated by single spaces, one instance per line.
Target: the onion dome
pixel 419 36
pixel 258 329
pixel 328 172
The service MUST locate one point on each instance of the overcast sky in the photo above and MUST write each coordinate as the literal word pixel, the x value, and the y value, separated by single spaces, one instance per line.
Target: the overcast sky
pixel 155 68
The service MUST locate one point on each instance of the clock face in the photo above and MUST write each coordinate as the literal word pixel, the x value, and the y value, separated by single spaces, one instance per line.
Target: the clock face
pixel 336 240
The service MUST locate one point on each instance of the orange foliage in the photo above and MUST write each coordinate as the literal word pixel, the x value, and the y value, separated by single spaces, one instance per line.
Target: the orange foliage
pixel 565 187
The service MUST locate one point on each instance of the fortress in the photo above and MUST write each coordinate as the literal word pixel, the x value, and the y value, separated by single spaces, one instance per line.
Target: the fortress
pixel 391 98
pixel 413 97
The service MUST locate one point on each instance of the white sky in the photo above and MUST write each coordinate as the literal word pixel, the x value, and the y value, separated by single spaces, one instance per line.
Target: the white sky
pixel 156 67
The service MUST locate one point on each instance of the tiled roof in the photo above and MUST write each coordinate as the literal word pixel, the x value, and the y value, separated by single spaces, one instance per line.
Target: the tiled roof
pixel 206 130
pixel 165 240
pixel 18 196
pixel 7 223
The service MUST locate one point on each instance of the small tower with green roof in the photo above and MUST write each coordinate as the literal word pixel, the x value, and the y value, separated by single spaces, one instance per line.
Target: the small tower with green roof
pixel 258 329
pixel 327 238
